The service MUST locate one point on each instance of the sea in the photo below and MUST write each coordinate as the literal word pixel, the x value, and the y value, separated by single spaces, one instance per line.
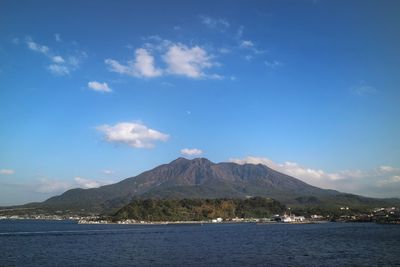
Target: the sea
pixel 66 243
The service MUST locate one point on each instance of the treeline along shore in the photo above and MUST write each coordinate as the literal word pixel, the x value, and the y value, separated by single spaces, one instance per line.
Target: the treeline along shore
pixel 198 209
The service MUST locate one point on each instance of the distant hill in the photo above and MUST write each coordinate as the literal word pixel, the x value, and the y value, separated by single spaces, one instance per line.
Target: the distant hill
pixel 202 179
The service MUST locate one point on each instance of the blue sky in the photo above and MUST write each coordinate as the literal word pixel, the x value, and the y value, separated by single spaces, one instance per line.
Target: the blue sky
pixel 95 92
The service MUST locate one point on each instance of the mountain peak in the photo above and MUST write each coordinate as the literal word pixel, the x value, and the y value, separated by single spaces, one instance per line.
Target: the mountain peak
pixel 180 160
pixel 199 161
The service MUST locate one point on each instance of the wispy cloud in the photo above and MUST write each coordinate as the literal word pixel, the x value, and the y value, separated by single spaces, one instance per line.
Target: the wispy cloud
pixel 60 65
pixel 58 59
pixel 239 32
pixel 362 89
pixel 273 64
pixel 249 45
pixel 134 134
pixel 191 151
pixel 59 70
pixel 45 185
pixel 57 37
pixel 214 23
pixel 7 171
pixel 53 186
pixel 37 47
pixel 395 179
pixel 246 44
pixel 100 87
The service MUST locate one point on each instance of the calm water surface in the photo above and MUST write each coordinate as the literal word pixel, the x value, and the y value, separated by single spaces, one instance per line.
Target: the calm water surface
pixel 65 243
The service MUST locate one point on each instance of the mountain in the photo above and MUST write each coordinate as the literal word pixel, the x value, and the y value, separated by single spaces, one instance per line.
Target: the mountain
pixel 199 179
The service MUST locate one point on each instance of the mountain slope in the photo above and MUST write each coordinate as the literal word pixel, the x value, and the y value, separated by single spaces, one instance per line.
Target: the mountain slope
pixel 197 178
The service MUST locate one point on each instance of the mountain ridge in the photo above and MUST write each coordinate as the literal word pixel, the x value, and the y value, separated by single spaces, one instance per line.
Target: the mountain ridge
pixel 200 178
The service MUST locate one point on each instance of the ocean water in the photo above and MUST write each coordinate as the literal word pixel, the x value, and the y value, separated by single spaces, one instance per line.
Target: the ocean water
pixel 65 243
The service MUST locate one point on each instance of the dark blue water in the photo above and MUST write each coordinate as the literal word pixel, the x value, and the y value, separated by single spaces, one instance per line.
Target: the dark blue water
pixel 64 243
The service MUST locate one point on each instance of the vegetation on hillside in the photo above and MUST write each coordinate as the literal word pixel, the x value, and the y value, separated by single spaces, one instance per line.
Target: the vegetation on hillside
pixel 198 209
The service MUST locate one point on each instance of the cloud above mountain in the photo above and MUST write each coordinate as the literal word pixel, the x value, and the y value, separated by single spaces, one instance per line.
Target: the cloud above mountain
pixel 134 134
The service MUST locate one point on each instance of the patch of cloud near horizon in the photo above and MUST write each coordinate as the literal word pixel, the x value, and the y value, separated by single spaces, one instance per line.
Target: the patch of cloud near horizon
pixel 191 151
pixel 180 60
pixel 7 171
pixel 373 182
pixel 134 134
pixel 46 186
pixel 87 183
pixel 100 87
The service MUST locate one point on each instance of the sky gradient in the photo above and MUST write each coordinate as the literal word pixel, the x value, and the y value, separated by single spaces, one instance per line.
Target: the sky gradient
pixel 95 92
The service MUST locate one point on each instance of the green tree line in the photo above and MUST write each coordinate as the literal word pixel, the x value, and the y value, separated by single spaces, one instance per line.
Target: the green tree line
pixel 198 209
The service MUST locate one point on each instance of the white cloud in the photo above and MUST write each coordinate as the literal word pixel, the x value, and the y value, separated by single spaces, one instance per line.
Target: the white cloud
pixel 219 23
pixel 37 47
pixel 191 152
pixel 58 59
pixel 86 183
pixel 100 87
pixel 143 66
pixel 249 45
pixel 246 44
pixel 7 171
pixel 133 134
pixel 189 62
pixel 180 60
pixel 296 170
pixel 115 66
pixel 59 70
